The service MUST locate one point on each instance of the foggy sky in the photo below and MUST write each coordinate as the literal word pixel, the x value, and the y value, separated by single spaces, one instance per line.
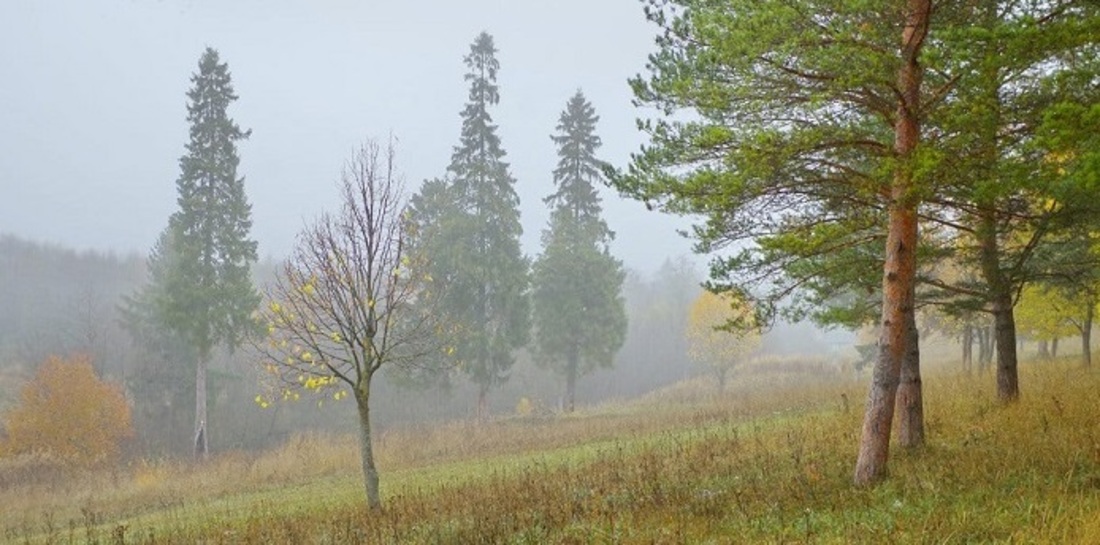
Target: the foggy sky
pixel 92 106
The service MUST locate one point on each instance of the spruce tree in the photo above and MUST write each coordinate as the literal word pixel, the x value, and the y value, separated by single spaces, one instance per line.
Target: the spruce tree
pixel 162 383
pixel 473 234
pixel 579 312
pixel 206 296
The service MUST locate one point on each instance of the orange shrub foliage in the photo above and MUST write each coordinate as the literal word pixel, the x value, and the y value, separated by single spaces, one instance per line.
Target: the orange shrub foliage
pixel 67 412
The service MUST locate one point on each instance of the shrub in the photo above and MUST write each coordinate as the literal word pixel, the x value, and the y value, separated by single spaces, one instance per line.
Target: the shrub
pixel 68 413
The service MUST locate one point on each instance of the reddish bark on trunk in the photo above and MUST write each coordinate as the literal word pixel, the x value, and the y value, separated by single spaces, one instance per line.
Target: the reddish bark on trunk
pixel 899 271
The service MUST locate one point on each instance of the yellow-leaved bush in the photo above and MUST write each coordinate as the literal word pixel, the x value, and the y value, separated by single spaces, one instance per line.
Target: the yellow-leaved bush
pixel 719 349
pixel 69 413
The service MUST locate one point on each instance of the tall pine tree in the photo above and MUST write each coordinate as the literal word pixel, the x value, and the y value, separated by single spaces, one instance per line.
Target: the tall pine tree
pixel 787 138
pixel 470 224
pixel 206 297
pixel 579 312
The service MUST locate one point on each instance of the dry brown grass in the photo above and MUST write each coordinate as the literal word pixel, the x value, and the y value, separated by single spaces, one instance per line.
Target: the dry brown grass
pixel 151 485
pixel 682 466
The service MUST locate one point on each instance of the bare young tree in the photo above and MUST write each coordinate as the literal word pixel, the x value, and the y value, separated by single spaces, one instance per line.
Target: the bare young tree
pixel 350 300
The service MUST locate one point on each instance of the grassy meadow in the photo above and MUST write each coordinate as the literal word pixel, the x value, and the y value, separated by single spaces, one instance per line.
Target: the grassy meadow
pixel 683 465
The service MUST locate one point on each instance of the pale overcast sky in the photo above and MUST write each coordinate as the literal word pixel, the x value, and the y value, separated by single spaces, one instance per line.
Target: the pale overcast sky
pixel 92 105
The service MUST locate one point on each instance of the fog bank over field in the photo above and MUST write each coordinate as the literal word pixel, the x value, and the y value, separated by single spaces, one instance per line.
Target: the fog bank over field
pixel 94 122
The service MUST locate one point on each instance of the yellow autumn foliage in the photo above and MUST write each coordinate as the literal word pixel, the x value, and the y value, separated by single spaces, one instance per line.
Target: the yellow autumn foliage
pixel 716 348
pixel 1045 313
pixel 68 412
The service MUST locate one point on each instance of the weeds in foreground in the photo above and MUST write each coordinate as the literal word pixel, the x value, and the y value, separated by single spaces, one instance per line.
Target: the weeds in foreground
pixel 1028 472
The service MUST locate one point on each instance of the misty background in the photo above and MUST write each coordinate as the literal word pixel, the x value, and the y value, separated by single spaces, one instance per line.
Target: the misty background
pixel 94 94
pixel 93 124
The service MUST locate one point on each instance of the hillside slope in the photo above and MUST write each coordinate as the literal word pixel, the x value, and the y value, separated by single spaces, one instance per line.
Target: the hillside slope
pixel 751 466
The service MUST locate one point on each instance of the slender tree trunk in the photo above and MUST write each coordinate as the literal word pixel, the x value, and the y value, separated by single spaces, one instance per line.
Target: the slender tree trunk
pixel 571 381
pixel 482 402
pixel 985 348
pixel 1086 335
pixel 909 410
pixel 366 451
pixel 1054 347
pixel 899 270
pixel 968 349
pixel 1044 351
pixel 201 438
pixel 992 344
pixel 979 334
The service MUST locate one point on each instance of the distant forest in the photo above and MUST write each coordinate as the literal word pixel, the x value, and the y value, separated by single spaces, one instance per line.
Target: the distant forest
pixel 59 301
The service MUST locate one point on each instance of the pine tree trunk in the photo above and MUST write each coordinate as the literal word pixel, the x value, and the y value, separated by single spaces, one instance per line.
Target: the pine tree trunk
pixel 909 411
pixel 201 437
pixel 1086 335
pixel 1004 325
pixel 366 451
pixel 1054 347
pixel 893 345
pixel 899 270
pixel 1008 387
